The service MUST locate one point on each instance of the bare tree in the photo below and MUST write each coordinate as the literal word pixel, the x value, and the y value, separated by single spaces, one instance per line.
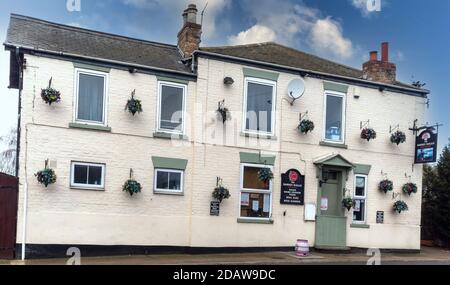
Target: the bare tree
pixel 8 156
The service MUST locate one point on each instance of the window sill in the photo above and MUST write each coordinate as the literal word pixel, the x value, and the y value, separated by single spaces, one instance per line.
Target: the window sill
pixel 87 188
pixel 89 127
pixel 360 226
pixel 162 135
pixel 258 136
pixel 338 145
pixel 255 221
pixel 168 193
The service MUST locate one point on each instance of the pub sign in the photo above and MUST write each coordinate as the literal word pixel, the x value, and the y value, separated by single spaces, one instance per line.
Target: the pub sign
pixel 292 188
pixel 426 146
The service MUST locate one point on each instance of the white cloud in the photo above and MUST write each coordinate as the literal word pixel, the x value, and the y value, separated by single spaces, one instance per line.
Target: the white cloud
pixel 255 34
pixel 326 36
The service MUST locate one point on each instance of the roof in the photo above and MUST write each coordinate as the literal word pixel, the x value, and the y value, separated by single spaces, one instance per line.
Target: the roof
pixel 275 53
pixel 42 35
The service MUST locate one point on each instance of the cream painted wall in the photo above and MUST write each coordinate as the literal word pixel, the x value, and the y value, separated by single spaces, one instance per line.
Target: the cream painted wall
pixel 60 215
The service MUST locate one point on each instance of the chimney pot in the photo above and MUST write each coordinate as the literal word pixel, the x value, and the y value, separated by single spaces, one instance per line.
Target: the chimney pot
pixel 373 56
pixel 380 71
pixel 385 52
pixel 189 37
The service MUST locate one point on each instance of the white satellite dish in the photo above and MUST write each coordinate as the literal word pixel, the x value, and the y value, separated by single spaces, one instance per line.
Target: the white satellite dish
pixel 296 89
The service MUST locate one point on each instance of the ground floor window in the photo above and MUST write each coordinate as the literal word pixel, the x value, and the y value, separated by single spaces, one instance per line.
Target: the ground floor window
pixel 169 181
pixel 87 175
pixel 360 197
pixel 255 195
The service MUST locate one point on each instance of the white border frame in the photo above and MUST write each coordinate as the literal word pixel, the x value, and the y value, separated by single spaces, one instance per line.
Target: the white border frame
pixel 258 191
pixel 168 191
pixel 260 81
pixel 158 109
pixel 86 186
pixel 105 76
pixel 361 197
pixel 344 109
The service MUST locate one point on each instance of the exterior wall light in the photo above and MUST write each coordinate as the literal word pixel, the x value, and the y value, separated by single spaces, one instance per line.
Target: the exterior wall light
pixel 228 81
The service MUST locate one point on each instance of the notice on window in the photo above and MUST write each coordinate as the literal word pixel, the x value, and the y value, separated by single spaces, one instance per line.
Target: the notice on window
pixel 357 206
pixel 324 203
pixel 255 205
pixel 266 205
pixel 245 199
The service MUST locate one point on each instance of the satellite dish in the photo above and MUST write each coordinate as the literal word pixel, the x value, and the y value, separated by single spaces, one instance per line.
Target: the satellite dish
pixel 296 88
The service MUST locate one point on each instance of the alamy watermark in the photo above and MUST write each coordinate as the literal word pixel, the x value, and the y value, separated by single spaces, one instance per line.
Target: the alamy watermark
pixel 73 5
pixel 373 5
pixel 375 256
pixel 75 256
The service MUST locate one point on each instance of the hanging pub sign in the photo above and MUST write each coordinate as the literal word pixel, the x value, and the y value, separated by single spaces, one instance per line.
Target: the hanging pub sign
pixel 292 188
pixel 426 146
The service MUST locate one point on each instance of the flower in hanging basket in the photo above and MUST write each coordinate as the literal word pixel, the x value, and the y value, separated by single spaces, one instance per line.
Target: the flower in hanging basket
pixel 132 186
pixel 400 206
pixel 50 95
pixel 386 185
pixel 306 126
pixel 409 188
pixel 133 105
pixel 348 203
pixel 265 175
pixel 368 134
pixel 221 193
pixel 398 137
pixel 46 176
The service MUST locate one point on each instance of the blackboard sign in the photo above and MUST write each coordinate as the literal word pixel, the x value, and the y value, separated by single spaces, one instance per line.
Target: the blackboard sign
pixel 426 146
pixel 380 217
pixel 292 188
pixel 214 208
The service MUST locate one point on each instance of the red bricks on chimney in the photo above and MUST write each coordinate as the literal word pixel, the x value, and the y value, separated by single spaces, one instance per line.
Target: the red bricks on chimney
pixel 380 71
pixel 189 37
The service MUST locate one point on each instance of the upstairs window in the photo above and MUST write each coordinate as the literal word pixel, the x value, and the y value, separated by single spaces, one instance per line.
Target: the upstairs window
pixel 87 175
pixel 171 107
pixel 91 89
pixel 334 117
pixel 259 106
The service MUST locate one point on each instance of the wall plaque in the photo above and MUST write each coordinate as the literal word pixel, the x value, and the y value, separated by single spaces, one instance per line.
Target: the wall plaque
pixel 292 188
pixel 214 209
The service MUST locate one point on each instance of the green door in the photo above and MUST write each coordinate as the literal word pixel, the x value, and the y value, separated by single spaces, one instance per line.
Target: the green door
pixel 331 220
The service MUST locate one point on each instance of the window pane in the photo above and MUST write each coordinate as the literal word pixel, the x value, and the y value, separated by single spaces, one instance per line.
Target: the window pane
pixel 171 108
pixel 95 175
pixel 174 181
pixel 162 180
pixel 255 205
pixel 359 210
pixel 90 98
pixel 360 186
pixel 251 180
pixel 80 174
pixel 334 118
pixel 259 107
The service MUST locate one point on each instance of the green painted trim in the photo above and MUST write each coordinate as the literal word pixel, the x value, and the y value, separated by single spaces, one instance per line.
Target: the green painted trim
pixel 254 158
pixel 362 169
pixel 269 137
pixel 169 163
pixel 161 135
pixel 254 221
pixel 248 72
pixel 337 145
pixel 172 79
pixel 360 226
pixel 91 67
pixel 331 86
pixel 89 127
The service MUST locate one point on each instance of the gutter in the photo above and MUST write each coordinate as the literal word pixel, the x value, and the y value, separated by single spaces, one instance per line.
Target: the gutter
pixel 363 82
pixel 108 61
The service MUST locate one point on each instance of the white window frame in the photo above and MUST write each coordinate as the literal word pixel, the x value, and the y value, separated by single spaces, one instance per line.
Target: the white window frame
pixel 168 191
pixel 86 186
pixel 361 197
pixel 344 104
pixel 258 191
pixel 260 81
pixel 158 109
pixel 105 75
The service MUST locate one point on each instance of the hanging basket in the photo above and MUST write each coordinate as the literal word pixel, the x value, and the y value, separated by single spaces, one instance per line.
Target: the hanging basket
pixel 46 176
pixel 368 134
pixel 409 188
pixel 133 105
pixel 348 203
pixel 265 175
pixel 220 193
pixel 223 113
pixel 400 206
pixel 386 185
pixel 398 137
pixel 50 95
pixel 306 126
pixel 131 186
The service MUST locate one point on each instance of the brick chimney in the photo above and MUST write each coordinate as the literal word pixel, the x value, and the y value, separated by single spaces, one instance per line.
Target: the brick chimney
pixel 189 37
pixel 380 70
